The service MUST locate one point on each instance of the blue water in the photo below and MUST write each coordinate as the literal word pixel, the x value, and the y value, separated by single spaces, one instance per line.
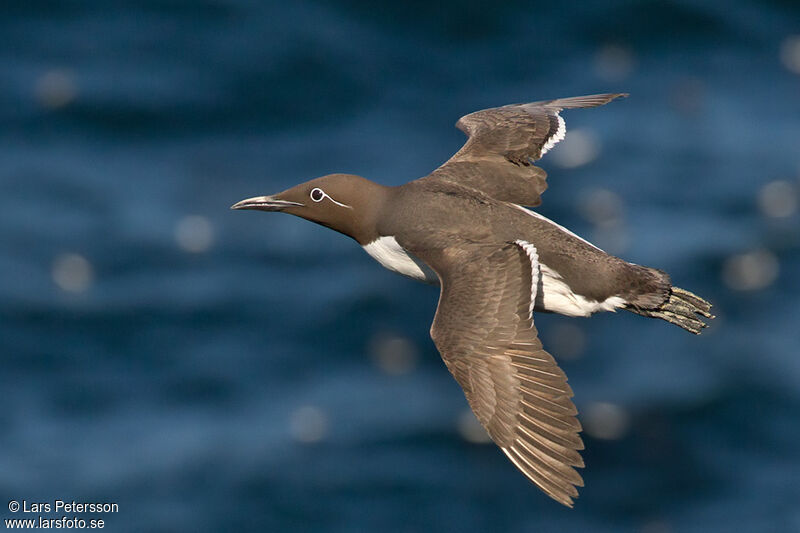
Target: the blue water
pixel 218 372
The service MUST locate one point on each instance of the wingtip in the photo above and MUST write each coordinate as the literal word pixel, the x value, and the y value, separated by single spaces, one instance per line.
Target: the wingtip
pixel 606 98
pixel 589 100
pixel 610 97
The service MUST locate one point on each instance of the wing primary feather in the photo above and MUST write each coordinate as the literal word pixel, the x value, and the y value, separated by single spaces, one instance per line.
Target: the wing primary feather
pixel 559 474
pixel 553 451
pixel 485 333
pixel 564 407
pixel 568 424
pixel 568 439
pixel 576 102
pixel 503 142
pixel 553 490
pixel 567 474
pixel 542 388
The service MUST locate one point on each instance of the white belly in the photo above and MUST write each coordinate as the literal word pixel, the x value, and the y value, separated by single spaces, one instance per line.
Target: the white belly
pixel 556 296
pixel 387 252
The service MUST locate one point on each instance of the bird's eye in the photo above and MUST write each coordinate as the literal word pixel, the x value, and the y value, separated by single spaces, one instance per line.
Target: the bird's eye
pixel 317 194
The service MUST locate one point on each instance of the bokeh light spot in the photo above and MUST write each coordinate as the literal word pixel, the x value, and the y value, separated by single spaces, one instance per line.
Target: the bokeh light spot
pixel 72 272
pixel 606 421
pixel 601 207
pixel 613 62
pixel 778 199
pixel 194 234
pixel 790 53
pixel 751 271
pixel 688 95
pixel 393 354
pixel 578 148
pixel 308 424
pixel 471 430
pixel 56 89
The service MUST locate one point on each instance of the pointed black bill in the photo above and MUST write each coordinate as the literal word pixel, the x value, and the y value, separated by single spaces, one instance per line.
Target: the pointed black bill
pixel 265 203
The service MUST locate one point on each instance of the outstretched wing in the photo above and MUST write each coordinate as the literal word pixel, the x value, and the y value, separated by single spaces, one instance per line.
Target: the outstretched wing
pixel 485 334
pixel 504 141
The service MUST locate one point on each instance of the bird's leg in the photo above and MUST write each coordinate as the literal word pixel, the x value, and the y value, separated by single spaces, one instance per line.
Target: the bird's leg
pixel 682 309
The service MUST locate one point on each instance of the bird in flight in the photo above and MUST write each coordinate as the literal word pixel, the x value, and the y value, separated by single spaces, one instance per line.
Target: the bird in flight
pixel 466 227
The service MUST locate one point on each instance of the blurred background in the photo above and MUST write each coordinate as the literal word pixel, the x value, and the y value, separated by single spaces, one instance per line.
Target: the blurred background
pixel 213 370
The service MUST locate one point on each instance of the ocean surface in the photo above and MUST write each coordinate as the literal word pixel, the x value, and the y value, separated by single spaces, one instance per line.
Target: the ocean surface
pixel 212 370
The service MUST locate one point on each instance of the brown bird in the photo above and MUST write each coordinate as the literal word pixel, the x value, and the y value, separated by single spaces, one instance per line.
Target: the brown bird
pixel 465 227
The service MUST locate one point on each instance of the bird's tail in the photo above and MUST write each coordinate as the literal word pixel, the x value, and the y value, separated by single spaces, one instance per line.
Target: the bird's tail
pixel 682 308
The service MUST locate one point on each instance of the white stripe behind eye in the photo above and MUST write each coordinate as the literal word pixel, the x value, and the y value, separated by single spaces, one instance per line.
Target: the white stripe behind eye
pixel 557 137
pixel 338 203
pixel 328 196
pixel 530 251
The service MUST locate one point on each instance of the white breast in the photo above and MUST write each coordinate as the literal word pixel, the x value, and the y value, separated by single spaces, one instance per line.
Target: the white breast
pixel 388 252
pixel 557 297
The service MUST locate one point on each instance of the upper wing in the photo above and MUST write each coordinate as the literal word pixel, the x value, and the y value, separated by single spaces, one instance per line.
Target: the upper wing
pixel 484 332
pixel 504 141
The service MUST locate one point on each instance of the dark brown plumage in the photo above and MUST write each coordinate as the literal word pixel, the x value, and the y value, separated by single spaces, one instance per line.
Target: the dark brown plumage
pixel 484 332
pixel 502 144
pixel 464 227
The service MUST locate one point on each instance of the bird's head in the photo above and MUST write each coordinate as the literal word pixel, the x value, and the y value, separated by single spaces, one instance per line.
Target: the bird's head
pixel 343 202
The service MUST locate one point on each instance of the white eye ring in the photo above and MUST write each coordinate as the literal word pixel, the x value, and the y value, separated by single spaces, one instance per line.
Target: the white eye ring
pixel 317 194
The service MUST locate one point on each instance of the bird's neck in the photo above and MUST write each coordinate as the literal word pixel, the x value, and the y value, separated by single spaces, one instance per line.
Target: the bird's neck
pixel 374 200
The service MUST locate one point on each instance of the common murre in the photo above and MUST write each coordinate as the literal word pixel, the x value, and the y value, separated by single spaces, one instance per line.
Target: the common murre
pixel 466 228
